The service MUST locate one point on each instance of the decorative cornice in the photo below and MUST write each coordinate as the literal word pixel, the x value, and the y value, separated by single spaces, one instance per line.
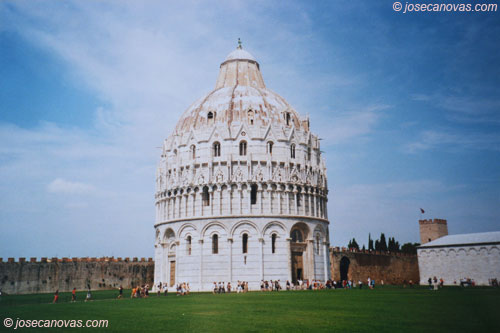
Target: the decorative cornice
pixel 218 217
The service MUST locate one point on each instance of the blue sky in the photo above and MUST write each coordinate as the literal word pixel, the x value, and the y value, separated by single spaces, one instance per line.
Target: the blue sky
pixel 408 106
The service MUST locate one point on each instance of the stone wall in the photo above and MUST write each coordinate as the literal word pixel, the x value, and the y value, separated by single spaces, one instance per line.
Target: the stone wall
pixel 48 275
pixel 451 263
pixel 432 229
pixel 392 268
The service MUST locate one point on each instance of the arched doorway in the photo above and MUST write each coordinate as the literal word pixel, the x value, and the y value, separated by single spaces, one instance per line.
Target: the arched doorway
pixel 344 268
pixel 298 235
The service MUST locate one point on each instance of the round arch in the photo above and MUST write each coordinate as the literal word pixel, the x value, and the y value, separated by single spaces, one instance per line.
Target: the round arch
pixel 241 223
pixel 211 224
pixel 186 226
pixel 276 224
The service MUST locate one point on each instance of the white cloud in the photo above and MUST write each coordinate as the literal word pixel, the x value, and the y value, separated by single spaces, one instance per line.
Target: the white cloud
pixel 68 187
pixel 451 140
pixel 339 127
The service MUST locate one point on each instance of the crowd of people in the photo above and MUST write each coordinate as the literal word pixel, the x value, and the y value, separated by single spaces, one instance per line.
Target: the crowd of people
pixel 137 292
pixel 222 287
pixel 183 288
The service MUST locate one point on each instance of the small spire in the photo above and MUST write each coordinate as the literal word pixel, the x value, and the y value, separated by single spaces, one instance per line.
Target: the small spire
pixel 239 44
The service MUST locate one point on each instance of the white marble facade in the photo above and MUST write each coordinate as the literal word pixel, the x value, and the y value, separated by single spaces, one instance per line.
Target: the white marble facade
pixel 243 171
pixel 454 257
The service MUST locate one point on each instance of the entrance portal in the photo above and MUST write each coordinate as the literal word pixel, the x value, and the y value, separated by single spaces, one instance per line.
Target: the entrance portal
pixel 344 268
pixel 172 273
pixel 297 266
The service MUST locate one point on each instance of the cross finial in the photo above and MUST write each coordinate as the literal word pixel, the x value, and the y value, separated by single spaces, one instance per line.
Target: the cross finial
pixel 239 44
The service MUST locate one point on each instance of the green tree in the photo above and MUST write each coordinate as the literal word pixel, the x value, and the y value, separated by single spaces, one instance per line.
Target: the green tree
pixel 370 242
pixel 383 243
pixel 410 248
pixel 353 244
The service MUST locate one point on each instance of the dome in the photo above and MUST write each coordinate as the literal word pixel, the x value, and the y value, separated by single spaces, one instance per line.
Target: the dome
pixel 240 54
pixel 240 96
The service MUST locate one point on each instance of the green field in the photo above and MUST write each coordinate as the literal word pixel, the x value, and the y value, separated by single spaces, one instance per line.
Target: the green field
pixel 385 309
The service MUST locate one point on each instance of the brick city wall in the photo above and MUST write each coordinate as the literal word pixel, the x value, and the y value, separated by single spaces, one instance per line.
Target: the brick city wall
pixel 48 275
pixel 392 268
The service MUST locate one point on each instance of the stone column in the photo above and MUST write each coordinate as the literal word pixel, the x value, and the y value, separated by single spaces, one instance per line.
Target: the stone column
pixel 325 260
pixel 315 205
pixel 240 199
pixel 261 202
pixel 230 261
pixel 194 203
pixel 178 205
pixel 162 263
pixel 261 248
pixel 310 255
pixel 221 199
pixel 280 199
pixel 211 194
pixel 186 209
pixel 249 191
pixel 289 255
pixel 201 201
pixel 200 242
pixel 326 209
pixel 172 207
pixel 176 262
pixel 309 212
pixel 270 200
pixel 287 195
pixel 296 196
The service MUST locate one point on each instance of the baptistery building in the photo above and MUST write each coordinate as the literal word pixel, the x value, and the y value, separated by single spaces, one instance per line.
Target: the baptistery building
pixel 241 188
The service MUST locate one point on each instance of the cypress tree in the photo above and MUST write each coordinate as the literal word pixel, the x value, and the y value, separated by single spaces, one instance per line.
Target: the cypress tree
pixel 383 243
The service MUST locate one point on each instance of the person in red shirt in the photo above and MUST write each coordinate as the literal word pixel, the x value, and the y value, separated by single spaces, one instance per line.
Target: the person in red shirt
pixel 73 295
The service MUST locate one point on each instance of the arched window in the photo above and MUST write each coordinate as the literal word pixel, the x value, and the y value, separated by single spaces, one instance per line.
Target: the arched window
pixel 193 152
pixel 317 244
pixel 299 202
pixel 188 244
pixel 308 153
pixel 270 147
pixel 245 243
pixel 253 194
pixel 215 244
pixel 297 236
pixel 273 243
pixel 216 149
pixel 211 118
pixel 287 118
pixel 243 148
pixel 250 117
pixel 175 153
pixel 205 196
pixel 292 150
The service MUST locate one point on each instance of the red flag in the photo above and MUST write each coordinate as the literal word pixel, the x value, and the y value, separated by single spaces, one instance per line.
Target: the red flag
pixel 423 211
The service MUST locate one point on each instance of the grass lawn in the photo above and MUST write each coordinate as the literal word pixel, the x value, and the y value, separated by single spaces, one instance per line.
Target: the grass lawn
pixel 385 309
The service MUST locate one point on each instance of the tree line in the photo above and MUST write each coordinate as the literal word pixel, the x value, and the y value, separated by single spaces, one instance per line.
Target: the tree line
pixel 385 246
